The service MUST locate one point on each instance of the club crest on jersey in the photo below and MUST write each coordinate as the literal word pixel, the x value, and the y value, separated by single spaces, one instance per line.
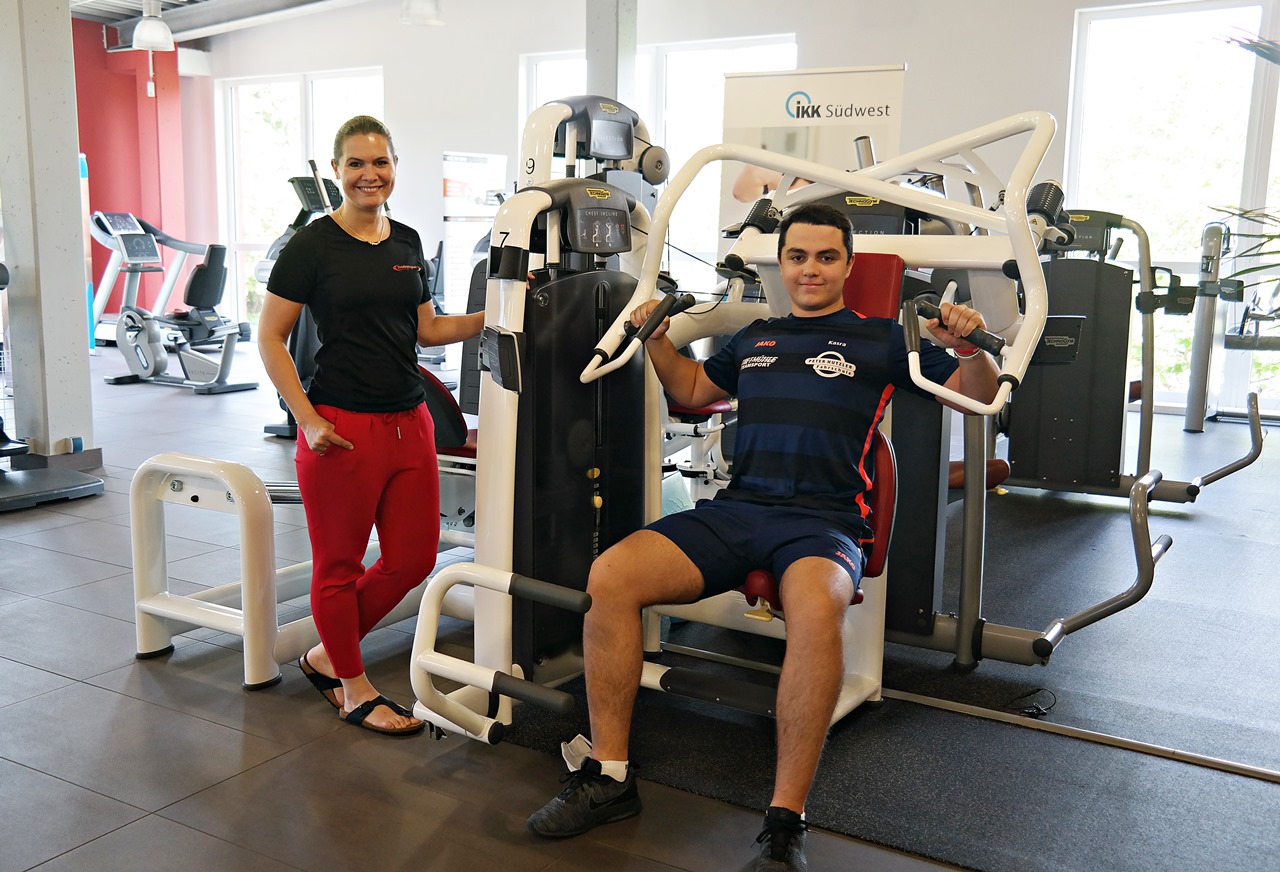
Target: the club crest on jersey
pixel 830 364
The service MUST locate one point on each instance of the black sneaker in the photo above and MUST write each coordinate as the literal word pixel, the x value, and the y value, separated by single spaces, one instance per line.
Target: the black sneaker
pixel 589 798
pixel 782 842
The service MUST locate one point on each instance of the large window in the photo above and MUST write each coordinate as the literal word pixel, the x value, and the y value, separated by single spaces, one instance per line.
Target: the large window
pixel 1170 122
pixel 665 76
pixel 271 128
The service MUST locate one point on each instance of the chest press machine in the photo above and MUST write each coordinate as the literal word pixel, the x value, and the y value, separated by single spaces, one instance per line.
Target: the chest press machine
pixel 989 244
pixel 557 482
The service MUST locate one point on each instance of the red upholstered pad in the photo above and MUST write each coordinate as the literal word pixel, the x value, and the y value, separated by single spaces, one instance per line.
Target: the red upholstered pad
pixel 874 286
pixel 998 470
pixel 761 584
pixel 719 407
pixel 466 450
pixel 452 435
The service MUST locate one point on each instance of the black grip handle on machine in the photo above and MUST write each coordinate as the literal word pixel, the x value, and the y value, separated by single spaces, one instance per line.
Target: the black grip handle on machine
pixel 979 338
pixel 560 597
pixel 671 304
pixel 544 697
pixel 567 598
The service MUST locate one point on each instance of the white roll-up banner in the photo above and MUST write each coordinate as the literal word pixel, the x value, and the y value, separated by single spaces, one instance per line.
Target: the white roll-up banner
pixel 817 115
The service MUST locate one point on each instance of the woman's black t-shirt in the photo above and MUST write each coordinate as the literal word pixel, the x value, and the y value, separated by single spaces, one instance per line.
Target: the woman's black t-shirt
pixel 365 300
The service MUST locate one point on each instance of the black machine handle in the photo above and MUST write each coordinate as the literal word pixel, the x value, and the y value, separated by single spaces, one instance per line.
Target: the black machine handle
pixel 545 592
pixel 979 338
pixel 671 304
pixel 544 697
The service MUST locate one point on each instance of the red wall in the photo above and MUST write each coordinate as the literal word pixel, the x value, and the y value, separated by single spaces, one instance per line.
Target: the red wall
pixel 200 156
pixel 131 140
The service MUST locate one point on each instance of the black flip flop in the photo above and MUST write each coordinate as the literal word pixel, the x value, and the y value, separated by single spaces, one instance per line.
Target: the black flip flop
pixel 320 682
pixel 357 717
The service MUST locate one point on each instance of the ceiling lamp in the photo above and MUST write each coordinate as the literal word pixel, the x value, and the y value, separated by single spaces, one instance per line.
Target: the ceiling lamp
pixel 421 12
pixel 151 33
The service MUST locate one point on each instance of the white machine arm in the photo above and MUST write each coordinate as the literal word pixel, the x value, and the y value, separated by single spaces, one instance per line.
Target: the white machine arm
pixel 1001 236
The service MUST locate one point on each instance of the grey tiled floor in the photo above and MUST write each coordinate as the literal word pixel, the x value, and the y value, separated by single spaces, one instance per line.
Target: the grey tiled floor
pixel 112 763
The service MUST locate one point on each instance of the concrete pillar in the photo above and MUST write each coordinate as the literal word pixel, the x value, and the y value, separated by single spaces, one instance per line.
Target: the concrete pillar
pixel 611 49
pixel 44 245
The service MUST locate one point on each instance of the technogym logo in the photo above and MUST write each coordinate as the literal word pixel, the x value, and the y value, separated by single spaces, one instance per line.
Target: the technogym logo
pixel 800 106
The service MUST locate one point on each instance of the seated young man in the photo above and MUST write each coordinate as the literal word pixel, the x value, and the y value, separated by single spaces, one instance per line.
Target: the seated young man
pixel 810 386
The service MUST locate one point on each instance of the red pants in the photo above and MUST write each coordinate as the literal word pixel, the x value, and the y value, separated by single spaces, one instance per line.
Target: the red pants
pixel 389 480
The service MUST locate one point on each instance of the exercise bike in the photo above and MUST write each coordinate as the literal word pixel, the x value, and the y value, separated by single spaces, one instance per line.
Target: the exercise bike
pixel 143 338
pixel 113 231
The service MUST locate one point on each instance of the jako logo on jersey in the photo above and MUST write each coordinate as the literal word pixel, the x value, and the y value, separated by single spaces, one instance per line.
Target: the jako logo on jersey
pixel 830 364
pixel 404 267
pixel 764 342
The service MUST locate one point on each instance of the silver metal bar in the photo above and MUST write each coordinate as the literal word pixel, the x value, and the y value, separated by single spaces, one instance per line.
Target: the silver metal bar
pixel 1259 772
pixel 716 657
pixel 1256 434
pixel 1147 554
pixel 974 548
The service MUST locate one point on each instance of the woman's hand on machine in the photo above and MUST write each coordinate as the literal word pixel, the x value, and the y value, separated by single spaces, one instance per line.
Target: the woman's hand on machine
pixel 321 436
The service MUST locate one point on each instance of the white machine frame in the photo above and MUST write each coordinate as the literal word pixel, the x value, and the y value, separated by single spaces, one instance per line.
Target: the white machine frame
pixel 991 231
pixel 247 607
pixel 480 709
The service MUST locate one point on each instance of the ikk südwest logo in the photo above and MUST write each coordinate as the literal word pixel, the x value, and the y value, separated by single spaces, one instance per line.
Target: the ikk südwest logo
pixel 800 106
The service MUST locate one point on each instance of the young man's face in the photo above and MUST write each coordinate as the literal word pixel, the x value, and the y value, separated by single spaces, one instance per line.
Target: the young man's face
pixel 814 266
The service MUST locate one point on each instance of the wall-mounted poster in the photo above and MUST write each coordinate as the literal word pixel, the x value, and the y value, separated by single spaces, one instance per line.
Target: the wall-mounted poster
pixel 473 187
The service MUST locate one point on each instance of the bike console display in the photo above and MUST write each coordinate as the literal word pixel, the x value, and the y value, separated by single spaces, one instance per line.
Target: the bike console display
pixel 139 249
pixel 137 246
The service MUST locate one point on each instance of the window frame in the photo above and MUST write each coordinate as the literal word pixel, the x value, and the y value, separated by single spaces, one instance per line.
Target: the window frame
pixel 227 158
pixel 657 81
pixel 1255 161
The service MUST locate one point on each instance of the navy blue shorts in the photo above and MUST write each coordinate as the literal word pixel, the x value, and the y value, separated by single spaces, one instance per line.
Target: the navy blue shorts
pixel 726 539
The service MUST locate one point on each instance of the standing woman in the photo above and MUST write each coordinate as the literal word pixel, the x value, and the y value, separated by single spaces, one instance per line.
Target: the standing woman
pixel 366 443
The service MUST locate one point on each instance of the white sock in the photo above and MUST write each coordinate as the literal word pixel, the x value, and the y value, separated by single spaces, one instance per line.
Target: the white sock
pixel 615 769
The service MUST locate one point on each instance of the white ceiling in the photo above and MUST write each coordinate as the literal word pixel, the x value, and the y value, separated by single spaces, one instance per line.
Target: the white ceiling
pixel 194 19
pixel 110 11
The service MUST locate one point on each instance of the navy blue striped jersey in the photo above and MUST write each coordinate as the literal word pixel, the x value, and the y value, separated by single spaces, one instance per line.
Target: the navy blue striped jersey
pixel 810 391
